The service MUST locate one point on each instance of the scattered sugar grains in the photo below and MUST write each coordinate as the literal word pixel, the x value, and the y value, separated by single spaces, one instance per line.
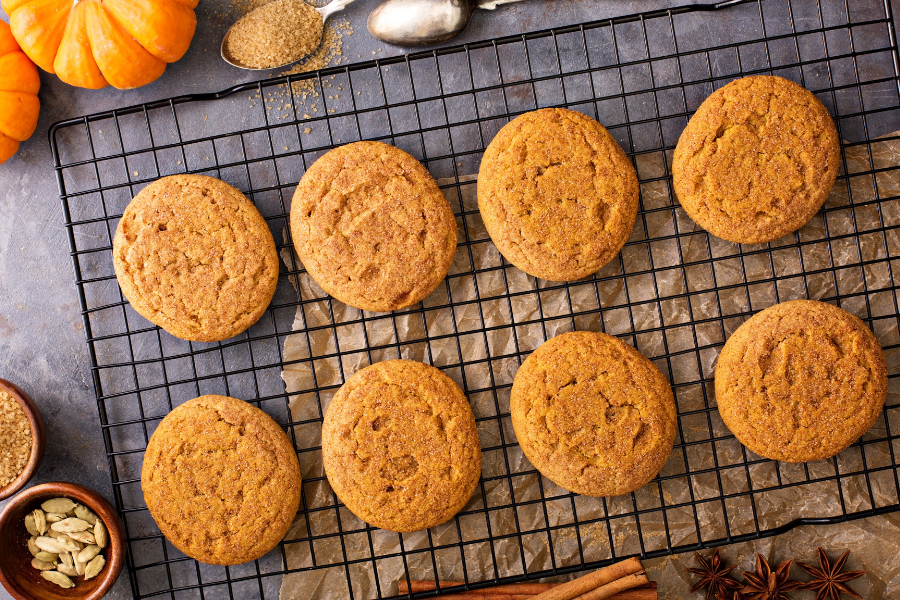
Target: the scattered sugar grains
pixel 275 34
pixel 15 439
pixel 282 100
pixel 330 52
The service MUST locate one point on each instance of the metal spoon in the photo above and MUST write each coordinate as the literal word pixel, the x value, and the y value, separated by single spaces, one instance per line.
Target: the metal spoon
pixel 326 11
pixel 424 22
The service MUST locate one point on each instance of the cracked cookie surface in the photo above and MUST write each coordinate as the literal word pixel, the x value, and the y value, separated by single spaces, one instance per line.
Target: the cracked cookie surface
pixel 194 256
pixel 400 446
pixel 593 414
pixel 757 160
pixel 801 381
pixel 557 194
pixel 372 227
pixel 221 480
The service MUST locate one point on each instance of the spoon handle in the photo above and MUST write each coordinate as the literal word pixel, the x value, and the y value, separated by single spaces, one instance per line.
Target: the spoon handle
pixel 492 4
pixel 333 7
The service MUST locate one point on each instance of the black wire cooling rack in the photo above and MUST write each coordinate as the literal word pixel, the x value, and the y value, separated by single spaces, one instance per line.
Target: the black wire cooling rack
pixel 674 292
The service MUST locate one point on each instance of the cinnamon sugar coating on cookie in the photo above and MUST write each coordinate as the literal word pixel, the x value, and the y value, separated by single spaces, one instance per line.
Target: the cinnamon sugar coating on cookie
pixel 557 194
pixel 221 480
pixel 372 227
pixel 194 256
pixel 757 160
pixel 400 446
pixel 801 381
pixel 593 414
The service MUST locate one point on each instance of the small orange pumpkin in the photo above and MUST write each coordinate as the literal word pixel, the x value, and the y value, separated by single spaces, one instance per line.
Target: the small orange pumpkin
pixel 19 85
pixel 95 43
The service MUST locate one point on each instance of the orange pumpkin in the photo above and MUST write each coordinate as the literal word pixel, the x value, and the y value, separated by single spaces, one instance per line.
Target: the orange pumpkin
pixel 19 85
pixel 95 43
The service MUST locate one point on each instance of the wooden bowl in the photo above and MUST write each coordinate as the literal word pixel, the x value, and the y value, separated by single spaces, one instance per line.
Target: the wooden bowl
pixel 24 582
pixel 38 440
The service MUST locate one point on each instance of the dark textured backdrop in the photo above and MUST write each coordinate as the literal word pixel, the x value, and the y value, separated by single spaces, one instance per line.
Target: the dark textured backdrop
pixel 42 345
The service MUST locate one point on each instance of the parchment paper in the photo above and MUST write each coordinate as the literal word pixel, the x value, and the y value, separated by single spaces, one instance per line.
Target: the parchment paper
pixel 512 320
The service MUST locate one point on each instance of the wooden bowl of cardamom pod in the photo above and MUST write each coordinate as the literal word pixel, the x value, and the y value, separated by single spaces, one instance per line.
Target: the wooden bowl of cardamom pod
pixel 60 541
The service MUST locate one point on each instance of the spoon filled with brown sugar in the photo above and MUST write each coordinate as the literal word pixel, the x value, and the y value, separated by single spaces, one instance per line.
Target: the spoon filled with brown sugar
pixel 277 34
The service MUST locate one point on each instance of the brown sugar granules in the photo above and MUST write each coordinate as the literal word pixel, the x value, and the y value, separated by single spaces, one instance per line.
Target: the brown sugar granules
pixel 15 439
pixel 275 34
pixel 330 52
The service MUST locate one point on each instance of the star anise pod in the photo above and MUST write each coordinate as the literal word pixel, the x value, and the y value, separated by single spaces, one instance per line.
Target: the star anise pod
pixel 714 576
pixel 828 581
pixel 766 584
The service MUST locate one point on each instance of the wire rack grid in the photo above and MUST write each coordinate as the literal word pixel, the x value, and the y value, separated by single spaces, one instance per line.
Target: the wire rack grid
pixel 674 292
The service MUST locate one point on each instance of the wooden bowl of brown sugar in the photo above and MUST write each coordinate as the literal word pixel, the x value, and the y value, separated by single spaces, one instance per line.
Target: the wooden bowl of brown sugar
pixel 21 447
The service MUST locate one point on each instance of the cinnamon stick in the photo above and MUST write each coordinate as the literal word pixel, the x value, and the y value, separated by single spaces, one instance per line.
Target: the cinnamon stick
pixel 614 587
pixel 597 579
pixel 645 592
pixel 429 585
pixel 638 593
pixel 632 586
pixel 529 589
pixel 485 596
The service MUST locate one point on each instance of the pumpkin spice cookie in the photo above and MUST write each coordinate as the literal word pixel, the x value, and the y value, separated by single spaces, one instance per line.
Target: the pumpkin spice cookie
pixel 757 160
pixel 221 480
pixel 400 446
pixel 557 194
pixel 593 414
pixel 801 381
pixel 372 227
pixel 194 256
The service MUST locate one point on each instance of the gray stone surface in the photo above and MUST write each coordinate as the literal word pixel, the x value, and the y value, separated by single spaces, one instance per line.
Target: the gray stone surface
pixel 42 345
